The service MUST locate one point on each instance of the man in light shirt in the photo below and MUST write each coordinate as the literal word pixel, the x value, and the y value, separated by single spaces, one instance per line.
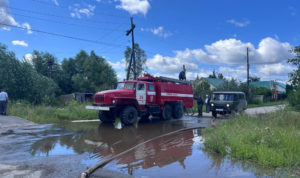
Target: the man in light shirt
pixel 3 102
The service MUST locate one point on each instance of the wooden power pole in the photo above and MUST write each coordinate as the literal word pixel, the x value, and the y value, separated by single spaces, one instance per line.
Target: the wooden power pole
pixel 132 57
pixel 248 68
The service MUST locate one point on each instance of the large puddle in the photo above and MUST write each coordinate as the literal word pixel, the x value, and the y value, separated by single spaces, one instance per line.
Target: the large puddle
pixel 178 155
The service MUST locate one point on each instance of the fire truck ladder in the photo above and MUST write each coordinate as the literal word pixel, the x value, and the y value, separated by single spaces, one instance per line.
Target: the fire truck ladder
pixel 167 79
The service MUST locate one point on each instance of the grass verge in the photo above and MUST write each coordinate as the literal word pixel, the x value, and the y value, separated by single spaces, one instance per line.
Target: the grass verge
pixel 48 114
pixel 273 103
pixel 271 140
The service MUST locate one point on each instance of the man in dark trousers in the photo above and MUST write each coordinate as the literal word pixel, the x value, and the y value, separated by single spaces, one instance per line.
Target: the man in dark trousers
pixel 3 102
pixel 200 105
pixel 182 74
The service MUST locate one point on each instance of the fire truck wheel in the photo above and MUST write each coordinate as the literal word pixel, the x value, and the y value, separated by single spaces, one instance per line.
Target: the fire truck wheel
pixel 105 117
pixel 178 111
pixel 167 112
pixel 129 115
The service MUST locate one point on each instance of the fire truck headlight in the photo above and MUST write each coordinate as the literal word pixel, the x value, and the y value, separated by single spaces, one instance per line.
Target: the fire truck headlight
pixel 113 101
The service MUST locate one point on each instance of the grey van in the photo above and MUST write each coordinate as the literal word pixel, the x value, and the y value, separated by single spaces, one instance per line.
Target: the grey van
pixel 224 102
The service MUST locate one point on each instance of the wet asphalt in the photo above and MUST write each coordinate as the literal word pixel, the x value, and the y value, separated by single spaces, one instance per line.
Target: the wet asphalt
pixel 68 149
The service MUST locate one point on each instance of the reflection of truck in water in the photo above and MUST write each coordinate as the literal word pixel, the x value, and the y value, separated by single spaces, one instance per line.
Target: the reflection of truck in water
pixel 224 102
pixel 148 95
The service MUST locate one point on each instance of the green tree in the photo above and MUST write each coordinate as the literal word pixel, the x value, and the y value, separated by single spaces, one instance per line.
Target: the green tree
pixel 22 81
pixel 254 79
pixel 295 75
pixel 140 57
pixel 220 76
pixel 88 73
pixel 213 75
pixel 230 85
pixel 202 88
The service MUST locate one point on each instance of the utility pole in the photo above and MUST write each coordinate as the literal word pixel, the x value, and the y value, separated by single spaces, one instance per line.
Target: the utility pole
pixel 248 68
pixel 132 57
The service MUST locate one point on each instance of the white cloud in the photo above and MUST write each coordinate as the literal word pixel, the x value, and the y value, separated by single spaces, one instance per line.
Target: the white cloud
pixel 134 6
pixel 19 43
pixel 159 31
pixel 119 65
pixel 230 56
pixel 28 58
pixel 55 2
pixel 271 70
pixel 27 26
pixel 273 51
pixel 5 16
pixel 78 12
pixel 239 24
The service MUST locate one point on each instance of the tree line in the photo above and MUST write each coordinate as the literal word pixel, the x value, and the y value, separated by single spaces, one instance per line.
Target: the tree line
pixel 42 78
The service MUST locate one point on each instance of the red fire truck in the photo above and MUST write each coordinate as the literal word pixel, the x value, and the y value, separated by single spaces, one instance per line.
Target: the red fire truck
pixel 148 95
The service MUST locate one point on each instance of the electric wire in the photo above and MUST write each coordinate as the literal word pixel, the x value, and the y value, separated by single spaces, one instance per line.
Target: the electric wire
pixel 64 36
pixel 68 7
pixel 65 17
pixel 59 22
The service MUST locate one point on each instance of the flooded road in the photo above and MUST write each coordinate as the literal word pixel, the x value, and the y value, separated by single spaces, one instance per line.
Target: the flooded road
pixel 67 149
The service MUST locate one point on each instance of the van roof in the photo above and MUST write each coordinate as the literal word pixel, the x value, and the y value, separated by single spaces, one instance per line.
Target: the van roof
pixel 229 92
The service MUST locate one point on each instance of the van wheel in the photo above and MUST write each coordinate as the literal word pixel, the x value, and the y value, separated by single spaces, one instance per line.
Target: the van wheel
pixel 128 115
pixel 106 117
pixel 214 113
pixel 167 112
pixel 177 111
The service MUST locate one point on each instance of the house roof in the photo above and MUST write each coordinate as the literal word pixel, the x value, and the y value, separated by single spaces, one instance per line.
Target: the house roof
pixel 214 81
pixel 267 84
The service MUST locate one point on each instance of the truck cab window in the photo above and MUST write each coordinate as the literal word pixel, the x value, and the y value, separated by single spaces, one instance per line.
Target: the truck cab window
pixel 141 86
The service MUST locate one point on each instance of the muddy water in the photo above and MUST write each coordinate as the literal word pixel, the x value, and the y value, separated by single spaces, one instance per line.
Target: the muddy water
pixel 178 155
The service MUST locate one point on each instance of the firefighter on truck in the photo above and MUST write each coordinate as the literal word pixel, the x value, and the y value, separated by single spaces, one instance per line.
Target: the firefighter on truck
pixel 148 95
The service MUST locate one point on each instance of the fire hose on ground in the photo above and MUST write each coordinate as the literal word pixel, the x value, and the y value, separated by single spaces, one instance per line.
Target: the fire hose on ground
pixel 101 164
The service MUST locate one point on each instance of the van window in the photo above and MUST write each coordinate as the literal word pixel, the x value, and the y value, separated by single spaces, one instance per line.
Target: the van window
pixel 242 96
pixel 150 87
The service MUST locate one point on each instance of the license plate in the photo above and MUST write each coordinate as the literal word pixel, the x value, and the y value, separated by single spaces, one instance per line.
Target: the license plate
pixel 102 108
pixel 219 110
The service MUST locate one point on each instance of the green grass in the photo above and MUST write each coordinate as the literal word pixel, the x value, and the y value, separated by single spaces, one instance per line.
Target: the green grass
pixel 271 140
pixel 49 114
pixel 273 103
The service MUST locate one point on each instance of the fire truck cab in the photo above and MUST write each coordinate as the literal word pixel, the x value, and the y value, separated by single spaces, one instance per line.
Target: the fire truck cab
pixel 148 95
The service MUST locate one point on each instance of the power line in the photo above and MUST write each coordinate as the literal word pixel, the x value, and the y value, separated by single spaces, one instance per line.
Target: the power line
pixel 65 36
pixel 68 7
pixel 59 22
pixel 65 17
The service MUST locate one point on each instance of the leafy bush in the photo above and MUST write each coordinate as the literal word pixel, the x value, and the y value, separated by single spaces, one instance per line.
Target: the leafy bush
pixel 294 99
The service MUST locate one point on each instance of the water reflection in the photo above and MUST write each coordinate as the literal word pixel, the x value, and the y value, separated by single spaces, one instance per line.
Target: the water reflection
pixel 177 155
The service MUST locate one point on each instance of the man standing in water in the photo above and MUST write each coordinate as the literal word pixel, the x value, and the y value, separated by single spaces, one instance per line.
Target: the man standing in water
pixel 3 102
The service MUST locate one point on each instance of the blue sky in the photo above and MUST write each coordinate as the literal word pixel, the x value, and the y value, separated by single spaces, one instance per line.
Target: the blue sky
pixel 203 35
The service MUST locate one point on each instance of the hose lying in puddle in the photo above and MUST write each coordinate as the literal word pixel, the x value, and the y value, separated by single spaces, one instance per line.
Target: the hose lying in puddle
pixel 90 170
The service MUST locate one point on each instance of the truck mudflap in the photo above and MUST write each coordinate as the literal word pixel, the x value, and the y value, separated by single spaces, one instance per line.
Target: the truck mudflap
pixel 100 108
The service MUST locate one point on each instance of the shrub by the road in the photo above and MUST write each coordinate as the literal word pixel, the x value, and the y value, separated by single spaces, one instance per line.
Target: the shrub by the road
pixel 294 99
pixel 270 140
pixel 49 114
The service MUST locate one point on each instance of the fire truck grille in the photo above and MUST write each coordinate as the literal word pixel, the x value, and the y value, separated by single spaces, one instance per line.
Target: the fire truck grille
pixel 99 98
